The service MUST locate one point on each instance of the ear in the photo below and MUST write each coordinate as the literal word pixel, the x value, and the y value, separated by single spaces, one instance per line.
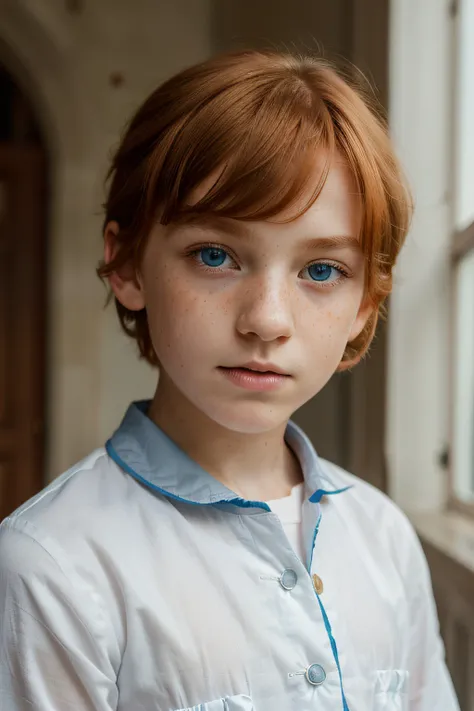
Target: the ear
pixel 124 282
pixel 365 310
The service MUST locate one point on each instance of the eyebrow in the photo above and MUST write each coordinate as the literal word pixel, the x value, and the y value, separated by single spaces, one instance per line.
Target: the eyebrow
pixel 238 228
pixel 336 242
pixel 213 222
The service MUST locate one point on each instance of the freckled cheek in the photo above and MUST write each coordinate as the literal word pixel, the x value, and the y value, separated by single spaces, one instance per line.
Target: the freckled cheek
pixel 178 315
pixel 325 331
pixel 333 317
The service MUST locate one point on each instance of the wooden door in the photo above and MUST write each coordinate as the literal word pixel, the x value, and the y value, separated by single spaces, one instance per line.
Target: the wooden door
pixel 22 320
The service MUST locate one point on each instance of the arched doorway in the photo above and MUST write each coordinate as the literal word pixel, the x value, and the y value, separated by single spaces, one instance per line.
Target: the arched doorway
pixel 23 214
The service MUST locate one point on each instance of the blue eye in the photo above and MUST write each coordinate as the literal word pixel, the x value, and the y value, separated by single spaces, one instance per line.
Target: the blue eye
pixel 320 271
pixel 325 273
pixel 212 256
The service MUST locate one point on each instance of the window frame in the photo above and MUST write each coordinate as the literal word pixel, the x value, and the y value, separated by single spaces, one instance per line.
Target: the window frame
pixel 462 243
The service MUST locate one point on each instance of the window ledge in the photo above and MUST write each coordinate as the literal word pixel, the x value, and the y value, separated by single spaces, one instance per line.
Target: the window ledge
pixel 450 533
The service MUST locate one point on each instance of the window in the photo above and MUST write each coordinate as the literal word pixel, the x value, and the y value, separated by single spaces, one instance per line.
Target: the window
pixel 463 260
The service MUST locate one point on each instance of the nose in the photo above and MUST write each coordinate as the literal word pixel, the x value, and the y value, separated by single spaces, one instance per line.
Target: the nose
pixel 266 310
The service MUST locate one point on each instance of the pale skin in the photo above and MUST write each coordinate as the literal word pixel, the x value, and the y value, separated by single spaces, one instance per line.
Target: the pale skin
pixel 261 304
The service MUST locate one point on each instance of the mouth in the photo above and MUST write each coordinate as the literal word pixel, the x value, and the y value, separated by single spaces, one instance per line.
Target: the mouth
pixel 259 369
pixel 259 377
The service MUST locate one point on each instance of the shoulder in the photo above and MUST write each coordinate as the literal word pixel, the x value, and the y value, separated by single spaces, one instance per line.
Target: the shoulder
pixel 94 484
pixel 375 515
pixel 360 493
pixel 70 513
pixel 38 531
pixel 54 546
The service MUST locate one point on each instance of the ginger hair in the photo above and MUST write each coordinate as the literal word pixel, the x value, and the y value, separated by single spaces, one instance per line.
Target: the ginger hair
pixel 258 119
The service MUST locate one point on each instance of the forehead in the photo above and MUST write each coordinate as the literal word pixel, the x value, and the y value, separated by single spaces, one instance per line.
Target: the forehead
pixel 338 208
pixel 336 211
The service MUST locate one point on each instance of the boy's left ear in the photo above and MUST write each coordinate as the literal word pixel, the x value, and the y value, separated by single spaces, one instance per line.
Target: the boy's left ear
pixel 124 282
pixel 365 310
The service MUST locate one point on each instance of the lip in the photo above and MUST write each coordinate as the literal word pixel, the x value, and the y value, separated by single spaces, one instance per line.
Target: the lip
pixel 262 367
pixel 262 380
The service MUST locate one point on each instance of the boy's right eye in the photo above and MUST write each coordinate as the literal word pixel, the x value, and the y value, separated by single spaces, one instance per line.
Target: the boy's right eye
pixel 211 257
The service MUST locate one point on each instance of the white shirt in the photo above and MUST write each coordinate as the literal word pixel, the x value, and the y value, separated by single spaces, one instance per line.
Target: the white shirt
pixel 137 582
pixel 289 510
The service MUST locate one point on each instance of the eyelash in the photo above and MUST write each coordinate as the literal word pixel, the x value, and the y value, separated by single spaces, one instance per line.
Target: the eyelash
pixel 193 254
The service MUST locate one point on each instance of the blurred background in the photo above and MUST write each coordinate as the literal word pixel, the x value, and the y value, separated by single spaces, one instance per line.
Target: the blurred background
pixel 71 72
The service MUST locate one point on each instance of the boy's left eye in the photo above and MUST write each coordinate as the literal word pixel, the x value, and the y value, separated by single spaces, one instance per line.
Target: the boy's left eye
pixel 323 272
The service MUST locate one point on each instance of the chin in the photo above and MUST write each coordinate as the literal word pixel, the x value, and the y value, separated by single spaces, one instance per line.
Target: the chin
pixel 250 418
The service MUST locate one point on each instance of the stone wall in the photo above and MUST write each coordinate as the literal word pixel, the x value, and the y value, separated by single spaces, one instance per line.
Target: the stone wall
pixel 86 65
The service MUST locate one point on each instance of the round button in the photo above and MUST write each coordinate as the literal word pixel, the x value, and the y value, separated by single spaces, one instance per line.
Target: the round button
pixel 288 579
pixel 315 674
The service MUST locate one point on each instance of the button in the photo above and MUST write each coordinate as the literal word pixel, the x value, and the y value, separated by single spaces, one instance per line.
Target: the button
pixel 318 584
pixel 288 579
pixel 315 674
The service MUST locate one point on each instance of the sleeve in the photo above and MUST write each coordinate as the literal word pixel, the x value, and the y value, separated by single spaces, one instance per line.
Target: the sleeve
pixel 431 688
pixel 52 651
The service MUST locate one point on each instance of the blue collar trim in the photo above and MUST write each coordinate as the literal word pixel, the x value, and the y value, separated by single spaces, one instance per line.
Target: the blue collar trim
pixel 145 452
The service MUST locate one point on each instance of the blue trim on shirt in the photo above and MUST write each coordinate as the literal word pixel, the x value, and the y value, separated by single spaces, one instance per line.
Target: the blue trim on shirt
pixel 163 465
pixel 243 503
pixel 327 624
pixel 318 495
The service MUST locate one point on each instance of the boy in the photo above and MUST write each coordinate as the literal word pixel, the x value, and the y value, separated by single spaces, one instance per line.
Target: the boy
pixel 206 558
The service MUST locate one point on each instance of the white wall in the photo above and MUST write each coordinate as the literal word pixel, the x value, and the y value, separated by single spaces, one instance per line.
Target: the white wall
pixel 64 62
pixel 418 387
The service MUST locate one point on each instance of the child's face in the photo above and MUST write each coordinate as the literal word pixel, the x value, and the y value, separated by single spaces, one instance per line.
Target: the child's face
pixel 225 293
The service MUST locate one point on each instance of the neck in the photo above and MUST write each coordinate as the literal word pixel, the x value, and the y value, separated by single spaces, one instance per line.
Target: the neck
pixel 257 467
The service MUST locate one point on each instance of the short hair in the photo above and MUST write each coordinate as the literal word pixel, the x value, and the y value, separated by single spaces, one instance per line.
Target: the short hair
pixel 258 118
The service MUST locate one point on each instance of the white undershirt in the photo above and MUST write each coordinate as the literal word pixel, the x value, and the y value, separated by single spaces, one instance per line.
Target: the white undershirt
pixel 289 511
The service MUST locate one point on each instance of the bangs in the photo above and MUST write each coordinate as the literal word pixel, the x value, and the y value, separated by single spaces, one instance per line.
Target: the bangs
pixel 263 142
pixel 263 155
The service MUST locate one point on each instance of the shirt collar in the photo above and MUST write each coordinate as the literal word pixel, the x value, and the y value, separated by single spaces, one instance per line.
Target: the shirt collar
pixel 144 451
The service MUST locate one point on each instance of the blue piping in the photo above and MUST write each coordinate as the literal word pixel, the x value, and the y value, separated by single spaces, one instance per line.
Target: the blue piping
pixel 318 495
pixel 237 501
pixel 327 624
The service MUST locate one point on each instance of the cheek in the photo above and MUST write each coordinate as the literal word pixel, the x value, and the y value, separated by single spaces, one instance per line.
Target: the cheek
pixel 325 334
pixel 178 317
pixel 331 323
